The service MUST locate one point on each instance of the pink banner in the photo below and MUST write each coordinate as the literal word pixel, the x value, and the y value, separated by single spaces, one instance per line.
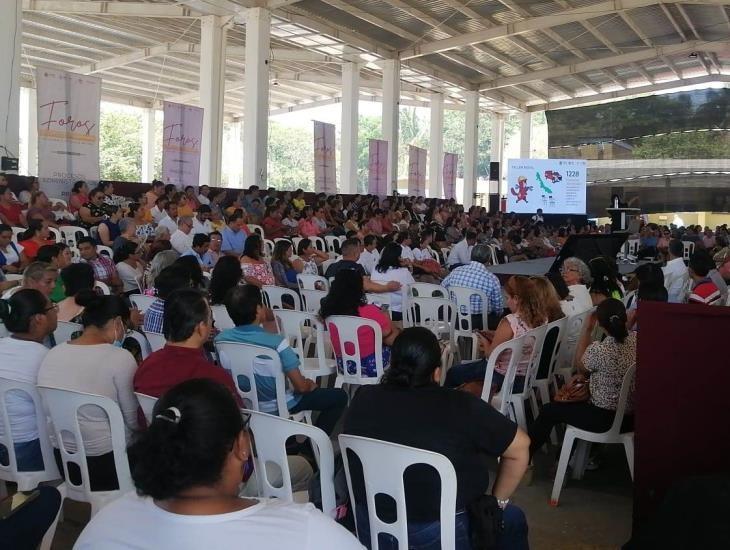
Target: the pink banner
pixel 378 167
pixel 417 171
pixel 182 133
pixel 450 162
pixel 324 158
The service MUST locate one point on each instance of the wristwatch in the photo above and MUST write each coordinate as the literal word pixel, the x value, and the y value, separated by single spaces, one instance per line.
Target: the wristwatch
pixel 502 503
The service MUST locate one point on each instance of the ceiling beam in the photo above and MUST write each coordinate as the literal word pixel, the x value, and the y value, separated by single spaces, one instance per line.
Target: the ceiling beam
pixel 123 9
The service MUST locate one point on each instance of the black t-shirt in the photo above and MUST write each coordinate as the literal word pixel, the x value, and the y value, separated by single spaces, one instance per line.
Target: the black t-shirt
pixel 456 424
pixel 344 264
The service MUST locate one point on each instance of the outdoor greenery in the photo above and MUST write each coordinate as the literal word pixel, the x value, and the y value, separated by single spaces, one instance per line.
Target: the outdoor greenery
pixel 291 157
pixel 691 145
pixel 120 146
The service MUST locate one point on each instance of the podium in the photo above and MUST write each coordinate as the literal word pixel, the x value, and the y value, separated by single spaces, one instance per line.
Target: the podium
pixel 622 217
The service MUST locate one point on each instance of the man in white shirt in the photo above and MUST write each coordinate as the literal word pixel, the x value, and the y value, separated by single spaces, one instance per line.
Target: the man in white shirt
pixel 537 218
pixel 676 275
pixel 204 191
pixel 461 252
pixel 370 256
pixel 182 239
pixel 158 210
pixel 201 221
pixel 169 220
pixel 404 240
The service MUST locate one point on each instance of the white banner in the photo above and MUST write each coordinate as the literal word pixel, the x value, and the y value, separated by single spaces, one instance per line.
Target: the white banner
pixel 451 160
pixel 324 158
pixel 558 186
pixel 378 167
pixel 417 171
pixel 182 132
pixel 68 130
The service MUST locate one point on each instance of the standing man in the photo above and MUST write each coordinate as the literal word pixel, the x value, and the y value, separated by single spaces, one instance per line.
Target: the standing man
pixel 537 218
pixel 233 236
pixel 676 276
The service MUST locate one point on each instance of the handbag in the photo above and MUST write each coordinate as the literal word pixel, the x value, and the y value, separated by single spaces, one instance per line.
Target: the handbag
pixel 575 391
pixel 486 522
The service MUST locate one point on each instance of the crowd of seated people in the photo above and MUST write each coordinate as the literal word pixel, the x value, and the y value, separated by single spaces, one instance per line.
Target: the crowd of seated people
pixel 195 251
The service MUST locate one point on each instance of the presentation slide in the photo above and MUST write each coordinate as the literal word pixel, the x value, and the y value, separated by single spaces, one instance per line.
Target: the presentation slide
pixel 558 186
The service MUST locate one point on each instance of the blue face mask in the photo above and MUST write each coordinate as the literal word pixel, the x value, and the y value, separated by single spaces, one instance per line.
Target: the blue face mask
pixel 120 342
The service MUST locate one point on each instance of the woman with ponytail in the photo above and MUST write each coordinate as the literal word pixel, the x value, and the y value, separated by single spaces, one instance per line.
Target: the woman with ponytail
pixel 187 467
pixel 605 362
pixel 409 407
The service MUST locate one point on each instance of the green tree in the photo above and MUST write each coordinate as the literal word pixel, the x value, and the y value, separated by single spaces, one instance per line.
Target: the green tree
pixel 120 146
pixel 291 157
pixel 691 145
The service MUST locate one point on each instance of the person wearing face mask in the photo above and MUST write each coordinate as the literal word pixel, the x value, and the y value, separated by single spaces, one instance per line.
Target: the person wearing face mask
pixel 95 363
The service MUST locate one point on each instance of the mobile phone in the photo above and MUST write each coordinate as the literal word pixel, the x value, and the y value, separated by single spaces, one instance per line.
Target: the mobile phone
pixel 11 505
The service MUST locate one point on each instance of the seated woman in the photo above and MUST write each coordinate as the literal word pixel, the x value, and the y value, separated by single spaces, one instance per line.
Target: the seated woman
pixel 284 273
pixel 528 313
pixel 388 269
pixel 129 267
pixel 187 468
pixel 12 257
pixel 94 363
pixel 11 211
pixel 606 281
pixel 40 209
pixel 309 258
pixel 79 196
pixel 30 318
pixel 256 270
pixel 605 362
pixel 576 275
pixel 109 228
pixel 58 255
pixel 93 212
pixel 160 243
pixel 227 274
pixel 347 297
pixel 78 281
pixel 409 408
pixel 36 236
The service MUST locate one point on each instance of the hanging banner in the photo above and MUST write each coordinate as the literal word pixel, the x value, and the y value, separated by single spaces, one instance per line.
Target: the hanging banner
pixel 324 158
pixel 378 167
pixel 450 162
pixel 68 130
pixel 417 171
pixel 182 133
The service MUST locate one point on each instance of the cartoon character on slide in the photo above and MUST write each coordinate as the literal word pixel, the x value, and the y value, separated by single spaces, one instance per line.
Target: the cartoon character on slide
pixel 521 189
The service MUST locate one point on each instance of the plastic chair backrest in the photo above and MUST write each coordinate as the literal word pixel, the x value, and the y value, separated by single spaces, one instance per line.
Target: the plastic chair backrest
pixel 273 297
pixel 64 407
pixel 16 232
pixel 346 328
pixel 156 340
pixel 318 243
pixel 312 299
pixel 146 403
pixel 70 233
pixel 26 481
pixel 244 361
pixel 436 314
pixel 311 282
pixel 633 246
pixel 270 434
pixel 221 317
pixel 558 328
pixel 253 228
pixel 268 247
pixel 295 243
pixel 623 399
pixel 57 237
pixel 569 344
pixel 537 335
pixel 106 250
pixel 689 248
pixel 515 347
pixel 142 302
pixel 54 202
pixel 291 324
pixel 64 331
pixel 462 297
pixel 103 287
pixel 325 265
pixel 378 298
pixel 426 290
pixel 333 244
pixel 383 467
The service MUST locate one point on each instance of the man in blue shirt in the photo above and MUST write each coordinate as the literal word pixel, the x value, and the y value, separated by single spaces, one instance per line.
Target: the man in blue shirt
pixel 246 308
pixel 201 243
pixel 233 236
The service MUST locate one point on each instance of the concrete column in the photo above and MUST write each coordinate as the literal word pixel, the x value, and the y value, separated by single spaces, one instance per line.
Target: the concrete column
pixel 349 127
pixel 212 86
pixel 148 145
pixel 32 132
pixel 496 153
pixel 525 135
pixel 391 113
pixel 10 39
pixel 436 147
pixel 471 140
pixel 256 115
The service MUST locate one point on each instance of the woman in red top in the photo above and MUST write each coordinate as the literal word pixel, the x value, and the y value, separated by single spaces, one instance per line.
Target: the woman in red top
pixel 79 196
pixel 273 227
pixel 11 211
pixel 34 238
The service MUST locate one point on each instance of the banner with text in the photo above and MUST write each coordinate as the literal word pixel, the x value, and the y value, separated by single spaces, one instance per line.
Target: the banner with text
pixel 417 171
pixel 450 162
pixel 324 158
pixel 378 167
pixel 182 133
pixel 68 130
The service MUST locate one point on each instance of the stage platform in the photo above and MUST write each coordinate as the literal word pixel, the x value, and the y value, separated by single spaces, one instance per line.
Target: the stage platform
pixel 541 266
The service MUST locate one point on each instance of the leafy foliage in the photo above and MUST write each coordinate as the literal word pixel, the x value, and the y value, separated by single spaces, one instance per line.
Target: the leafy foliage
pixel 120 146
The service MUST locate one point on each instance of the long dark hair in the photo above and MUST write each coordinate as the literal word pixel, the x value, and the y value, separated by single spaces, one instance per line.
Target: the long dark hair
pixel 16 311
pixel 605 277
pixel 389 257
pixel 279 254
pixel 226 274
pixel 252 246
pixel 611 315
pixel 414 357
pixel 346 295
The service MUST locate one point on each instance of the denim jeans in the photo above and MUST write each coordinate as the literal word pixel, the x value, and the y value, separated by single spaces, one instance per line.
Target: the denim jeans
pixel 27 454
pixel 330 402
pixel 427 536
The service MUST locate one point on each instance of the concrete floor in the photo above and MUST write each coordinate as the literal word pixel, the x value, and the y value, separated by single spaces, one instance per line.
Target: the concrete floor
pixel 594 513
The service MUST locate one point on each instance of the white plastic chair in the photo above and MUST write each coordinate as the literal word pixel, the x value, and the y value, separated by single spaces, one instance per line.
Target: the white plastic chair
pixel 268 248
pixel 501 401
pixel 54 202
pixel 156 340
pixel 106 250
pixel 243 361
pixel 221 317
pixel 542 385
pixel 273 297
pixel 689 248
pixel 462 297
pixel 333 244
pixel 146 403
pixel 141 301
pixel 318 243
pixel 253 228
pixel 270 434
pixel 312 299
pixel 566 357
pixel 426 290
pixel 436 314
pixel 632 246
pixel 295 326
pixel 70 234
pixel 57 237
pixel 347 327
pixel 585 438
pixel 295 243
pixel 379 299
pixel 63 407
pixel 103 287
pixel 312 282
pixel 383 467
pixel 325 265
pixel 17 231
pixel 64 331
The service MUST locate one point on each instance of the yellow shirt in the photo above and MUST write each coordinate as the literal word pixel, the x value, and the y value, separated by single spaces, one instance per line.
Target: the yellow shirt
pixel 185 211
pixel 299 204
